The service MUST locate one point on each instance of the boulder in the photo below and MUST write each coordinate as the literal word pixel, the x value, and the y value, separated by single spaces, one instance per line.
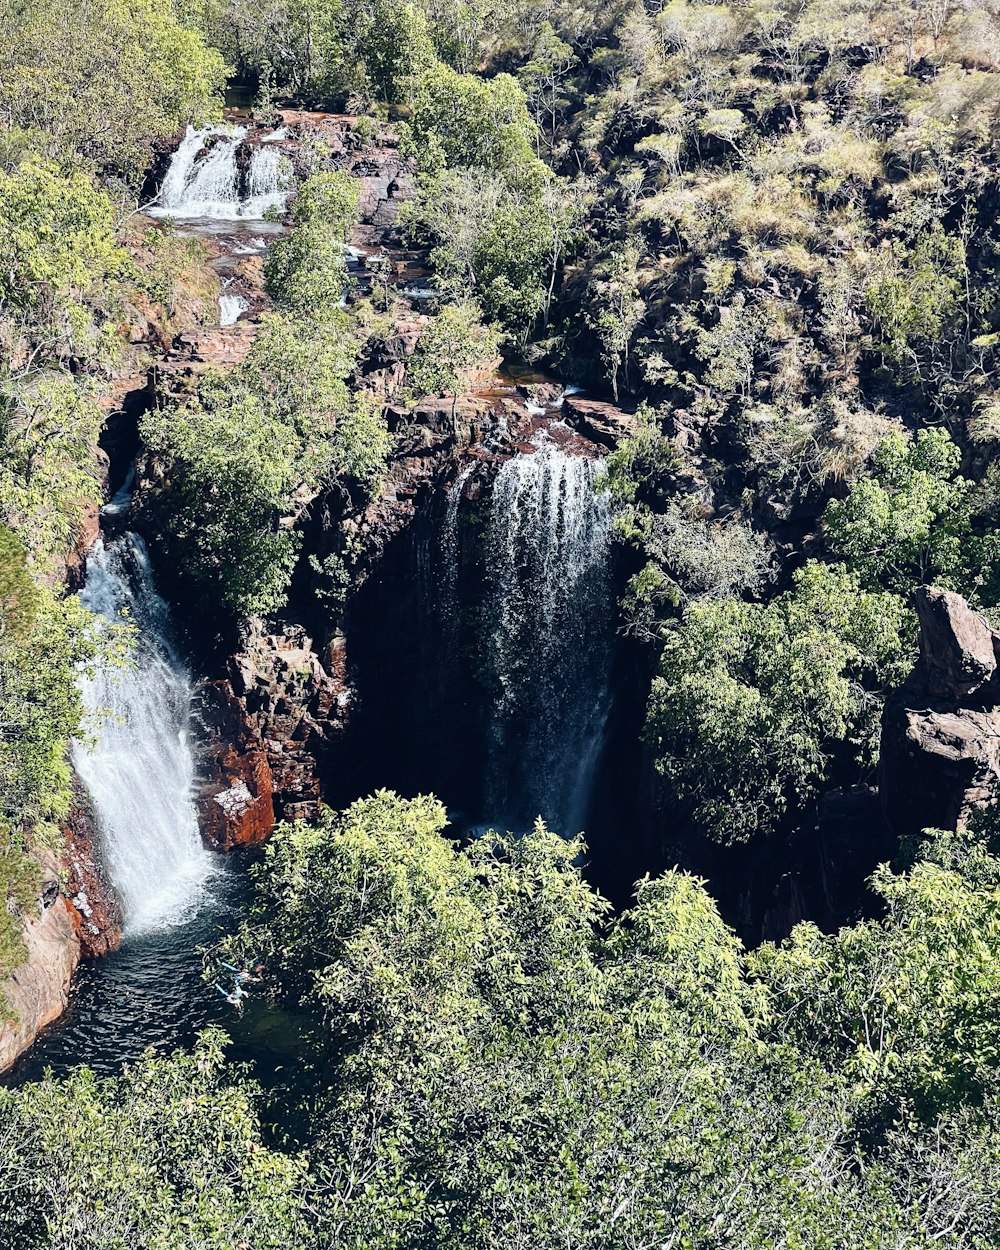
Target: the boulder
pixel 269 723
pixel 603 423
pixel 956 645
pixel 235 804
pixel 940 751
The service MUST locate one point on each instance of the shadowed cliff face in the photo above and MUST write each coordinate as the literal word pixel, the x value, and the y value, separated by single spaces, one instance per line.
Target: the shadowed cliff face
pixel 940 756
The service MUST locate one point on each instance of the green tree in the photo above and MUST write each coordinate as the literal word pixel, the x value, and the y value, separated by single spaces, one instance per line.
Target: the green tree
pixel 450 351
pixel 49 467
pixel 170 1153
pixel 905 524
pixel 752 699
pixel 247 452
pixel 544 77
pixel 903 1006
pixel 615 309
pixel 306 270
pixel 104 78
pixel 463 120
pixel 58 255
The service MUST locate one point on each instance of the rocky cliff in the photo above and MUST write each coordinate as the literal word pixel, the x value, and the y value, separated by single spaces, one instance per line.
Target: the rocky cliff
pixel 940 755
pixel 38 990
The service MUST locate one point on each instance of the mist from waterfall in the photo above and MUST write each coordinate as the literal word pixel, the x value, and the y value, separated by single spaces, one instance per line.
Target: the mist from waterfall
pixel 203 179
pixel 549 604
pixel 137 763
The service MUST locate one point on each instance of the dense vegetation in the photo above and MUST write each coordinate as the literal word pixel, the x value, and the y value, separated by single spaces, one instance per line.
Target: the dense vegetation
pixel 770 230
pixel 502 1062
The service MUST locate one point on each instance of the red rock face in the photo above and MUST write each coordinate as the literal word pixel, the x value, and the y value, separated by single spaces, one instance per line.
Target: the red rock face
pixel 269 722
pixel 93 906
pixel 37 991
pixel 236 807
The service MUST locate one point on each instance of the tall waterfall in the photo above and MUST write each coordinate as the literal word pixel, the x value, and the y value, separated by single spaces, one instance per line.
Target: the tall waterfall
pixel 204 178
pixel 549 602
pixel 138 765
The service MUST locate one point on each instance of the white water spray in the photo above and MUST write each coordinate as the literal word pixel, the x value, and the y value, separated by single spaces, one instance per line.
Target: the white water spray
pixel 139 769
pixel 203 179
pixel 231 307
pixel 550 599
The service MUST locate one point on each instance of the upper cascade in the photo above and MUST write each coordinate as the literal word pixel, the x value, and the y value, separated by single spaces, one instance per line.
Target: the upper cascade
pixel 550 605
pixel 138 766
pixel 205 180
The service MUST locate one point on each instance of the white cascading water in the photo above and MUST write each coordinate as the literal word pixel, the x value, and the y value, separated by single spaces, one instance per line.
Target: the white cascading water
pixel 203 180
pixel 550 602
pixel 138 765
pixel 449 543
pixel 231 308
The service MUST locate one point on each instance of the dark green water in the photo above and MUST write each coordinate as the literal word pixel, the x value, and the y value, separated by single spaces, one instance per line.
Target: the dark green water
pixel 151 993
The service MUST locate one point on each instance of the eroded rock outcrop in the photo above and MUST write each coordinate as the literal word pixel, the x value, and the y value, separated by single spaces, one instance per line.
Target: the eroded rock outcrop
pixel 940 756
pixel 280 707
pixel 38 990
pixel 236 807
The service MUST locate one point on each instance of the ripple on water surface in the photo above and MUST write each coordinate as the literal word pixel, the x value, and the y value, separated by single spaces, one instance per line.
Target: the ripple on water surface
pixel 151 994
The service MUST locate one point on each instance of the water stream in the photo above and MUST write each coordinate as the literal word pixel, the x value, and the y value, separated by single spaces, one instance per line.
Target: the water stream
pixel 204 179
pixel 550 599
pixel 138 764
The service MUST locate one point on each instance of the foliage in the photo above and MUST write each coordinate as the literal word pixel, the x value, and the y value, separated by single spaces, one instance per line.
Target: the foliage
pixel 105 78
pixel 245 444
pixel 306 270
pixel 505 1064
pixel 463 120
pixel 42 644
pixel 455 985
pixel 751 699
pixel 916 520
pixel 500 222
pixel 40 709
pixel 905 1006
pixel 168 1154
pixel 49 468
pixel 19 596
pixel 616 310
pixel 450 351
pixel 57 251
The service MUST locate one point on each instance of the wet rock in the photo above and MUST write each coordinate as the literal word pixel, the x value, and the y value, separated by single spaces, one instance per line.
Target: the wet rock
pixel 598 421
pixel 544 394
pixel 95 908
pixel 88 532
pixel 235 805
pixel 275 715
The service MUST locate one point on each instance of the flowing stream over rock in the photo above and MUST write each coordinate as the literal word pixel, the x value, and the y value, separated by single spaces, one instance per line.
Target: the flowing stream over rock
pixel 138 766
pixel 204 178
pixel 549 603
pixel 488 672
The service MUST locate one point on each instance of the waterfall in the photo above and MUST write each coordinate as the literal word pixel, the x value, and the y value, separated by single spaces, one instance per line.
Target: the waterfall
pixel 449 544
pixel 549 603
pixel 231 308
pixel 138 765
pixel 204 178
